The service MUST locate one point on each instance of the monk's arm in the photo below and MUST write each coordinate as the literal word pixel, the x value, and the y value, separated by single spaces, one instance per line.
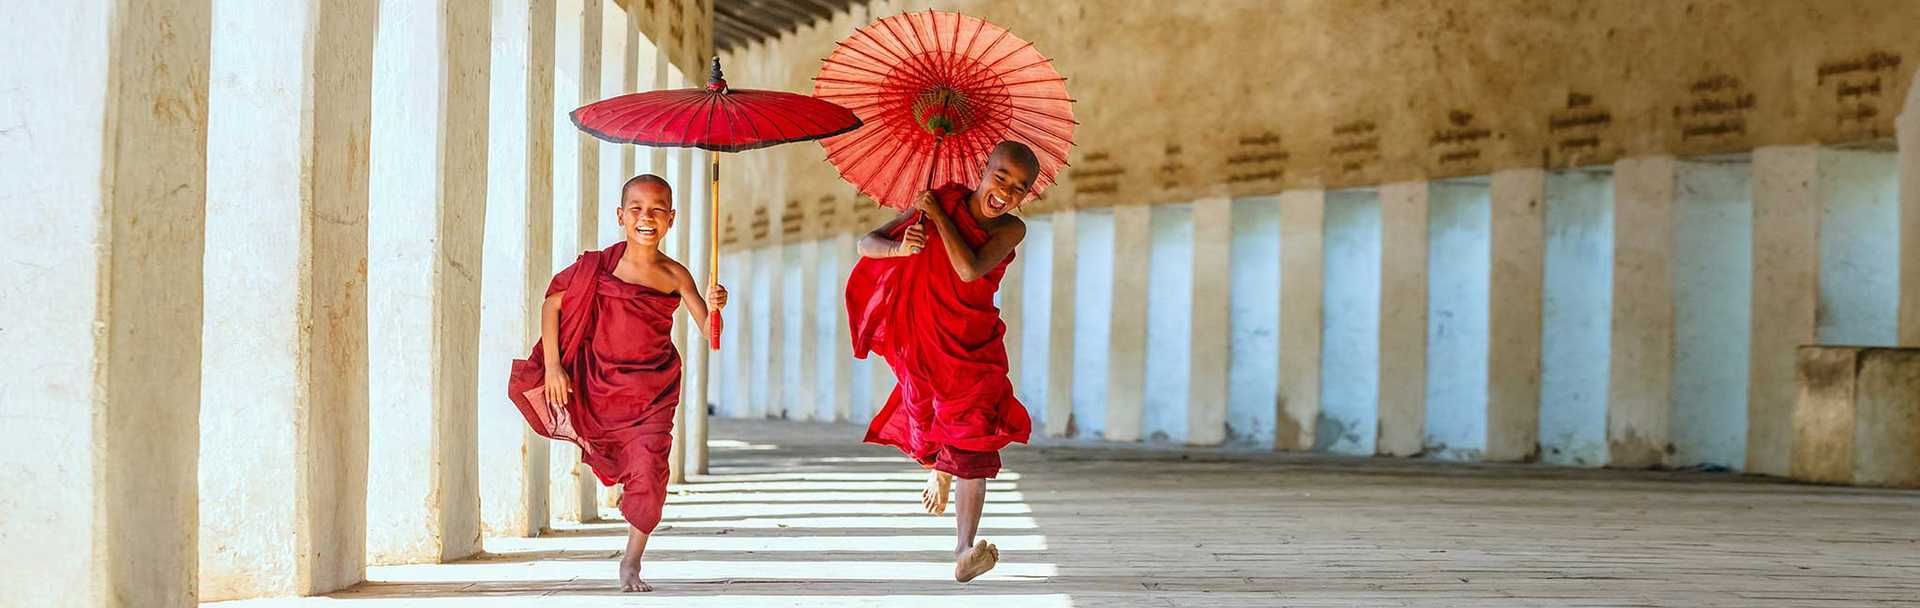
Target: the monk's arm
pixel 550 330
pixel 690 297
pixel 970 264
pixel 878 244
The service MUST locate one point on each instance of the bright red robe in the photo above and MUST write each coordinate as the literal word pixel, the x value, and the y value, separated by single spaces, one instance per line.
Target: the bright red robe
pixel 617 349
pixel 953 408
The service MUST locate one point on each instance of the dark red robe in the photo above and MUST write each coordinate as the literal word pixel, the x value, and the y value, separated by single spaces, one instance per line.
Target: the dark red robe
pixel 617 348
pixel 953 408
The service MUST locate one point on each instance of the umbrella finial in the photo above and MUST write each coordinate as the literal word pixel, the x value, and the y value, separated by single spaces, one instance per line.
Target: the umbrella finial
pixel 715 82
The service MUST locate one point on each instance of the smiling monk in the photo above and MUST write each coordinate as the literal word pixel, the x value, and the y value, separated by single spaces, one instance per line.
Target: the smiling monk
pixel 925 303
pixel 605 374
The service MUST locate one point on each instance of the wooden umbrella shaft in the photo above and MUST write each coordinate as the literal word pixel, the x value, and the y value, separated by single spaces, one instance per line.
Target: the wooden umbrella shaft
pixel 713 221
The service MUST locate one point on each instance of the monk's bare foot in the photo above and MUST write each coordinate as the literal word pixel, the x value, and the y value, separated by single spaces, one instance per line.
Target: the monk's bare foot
pixel 975 561
pixel 630 577
pixel 934 496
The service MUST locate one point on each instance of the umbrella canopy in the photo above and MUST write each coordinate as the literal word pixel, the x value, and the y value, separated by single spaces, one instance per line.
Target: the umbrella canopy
pixel 937 91
pixel 716 118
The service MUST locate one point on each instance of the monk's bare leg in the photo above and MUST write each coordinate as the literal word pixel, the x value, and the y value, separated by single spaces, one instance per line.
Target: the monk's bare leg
pixel 971 558
pixel 630 563
pixel 934 497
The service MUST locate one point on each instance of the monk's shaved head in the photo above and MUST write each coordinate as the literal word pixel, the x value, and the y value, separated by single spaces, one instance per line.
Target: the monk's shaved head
pixel 1017 153
pixel 649 180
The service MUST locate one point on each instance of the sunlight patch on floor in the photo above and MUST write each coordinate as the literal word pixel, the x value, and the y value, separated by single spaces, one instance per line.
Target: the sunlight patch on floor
pixel 663 599
pixel 665 543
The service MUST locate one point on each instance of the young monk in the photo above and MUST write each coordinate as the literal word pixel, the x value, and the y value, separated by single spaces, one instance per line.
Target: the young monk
pixel 924 301
pixel 605 374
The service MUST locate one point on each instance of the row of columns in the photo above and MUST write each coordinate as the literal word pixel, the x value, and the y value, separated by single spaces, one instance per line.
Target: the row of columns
pixel 278 261
pixel 1633 315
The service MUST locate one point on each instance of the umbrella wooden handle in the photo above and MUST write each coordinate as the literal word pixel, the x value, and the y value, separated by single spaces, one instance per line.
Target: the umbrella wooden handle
pixel 713 242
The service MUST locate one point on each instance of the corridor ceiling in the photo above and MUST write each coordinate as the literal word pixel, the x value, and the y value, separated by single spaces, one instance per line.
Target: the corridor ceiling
pixel 738 23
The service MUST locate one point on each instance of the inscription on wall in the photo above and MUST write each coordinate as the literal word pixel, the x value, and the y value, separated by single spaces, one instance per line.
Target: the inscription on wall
pixel 1171 170
pixel 757 226
pixel 1459 142
pixel 1096 174
pixel 1356 145
pixel 1717 109
pixel 1577 131
pixel 1257 158
pixel 790 217
pixel 1858 86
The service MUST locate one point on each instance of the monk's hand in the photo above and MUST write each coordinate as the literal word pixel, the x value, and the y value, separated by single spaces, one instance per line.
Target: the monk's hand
pixel 717 296
pixel 559 388
pixel 926 203
pixel 912 241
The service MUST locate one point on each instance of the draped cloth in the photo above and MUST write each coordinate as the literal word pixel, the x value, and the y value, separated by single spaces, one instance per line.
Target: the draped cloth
pixel 953 407
pixel 617 349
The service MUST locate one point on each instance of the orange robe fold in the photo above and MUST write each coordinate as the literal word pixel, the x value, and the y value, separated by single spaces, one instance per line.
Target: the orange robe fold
pixel 616 346
pixel 953 407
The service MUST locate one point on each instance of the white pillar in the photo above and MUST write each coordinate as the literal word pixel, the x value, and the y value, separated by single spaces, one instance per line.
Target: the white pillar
pixel 1350 351
pixel 802 308
pixel 834 357
pixel 1639 398
pixel 1035 307
pixel 284 410
pixel 616 160
pixel 1127 327
pixel 1786 228
pixel 1010 300
pixel 1711 265
pixel 1209 345
pixel 1165 381
pixel 1061 316
pixel 571 486
pixel 1302 299
pixel 1518 256
pixel 105 196
pixel 1459 273
pixel 1575 317
pixel 519 254
pixel 698 216
pixel 1254 298
pixel 430 95
pixel 1402 354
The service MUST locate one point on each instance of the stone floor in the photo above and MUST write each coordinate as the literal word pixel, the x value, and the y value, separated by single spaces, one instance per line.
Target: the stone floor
pixel 799 515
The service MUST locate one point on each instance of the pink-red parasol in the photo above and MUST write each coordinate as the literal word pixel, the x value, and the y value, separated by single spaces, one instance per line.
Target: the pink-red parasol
pixel 937 91
pixel 716 118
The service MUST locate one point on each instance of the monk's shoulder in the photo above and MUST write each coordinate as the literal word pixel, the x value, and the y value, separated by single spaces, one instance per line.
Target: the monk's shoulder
pixel 1008 224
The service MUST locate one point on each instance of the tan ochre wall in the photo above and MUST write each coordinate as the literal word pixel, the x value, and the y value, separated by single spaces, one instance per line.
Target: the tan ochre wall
pixel 1183 100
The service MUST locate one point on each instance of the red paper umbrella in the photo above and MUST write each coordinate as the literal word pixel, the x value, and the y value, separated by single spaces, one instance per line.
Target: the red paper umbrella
pixel 715 118
pixel 939 90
